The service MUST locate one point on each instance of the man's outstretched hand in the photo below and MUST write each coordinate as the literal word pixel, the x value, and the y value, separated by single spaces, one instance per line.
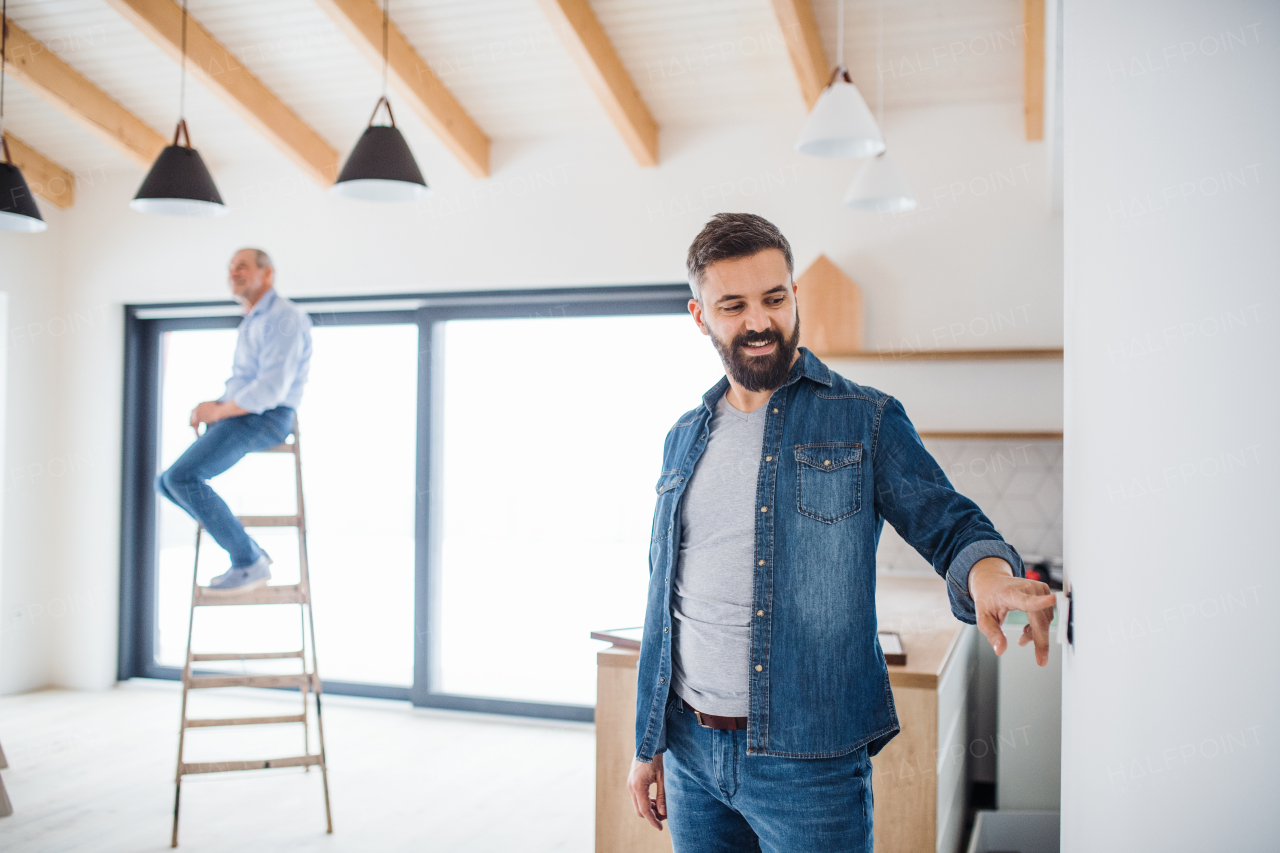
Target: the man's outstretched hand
pixel 641 777
pixel 995 591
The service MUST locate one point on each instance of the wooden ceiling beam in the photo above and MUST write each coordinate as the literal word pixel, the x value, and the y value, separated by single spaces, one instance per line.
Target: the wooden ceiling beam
pixel 593 53
pixel 1033 68
pixel 361 20
pixel 41 71
pixel 223 74
pixel 46 178
pixel 804 44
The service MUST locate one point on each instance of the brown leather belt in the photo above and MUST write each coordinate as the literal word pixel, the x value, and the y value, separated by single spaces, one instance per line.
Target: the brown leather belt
pixel 714 721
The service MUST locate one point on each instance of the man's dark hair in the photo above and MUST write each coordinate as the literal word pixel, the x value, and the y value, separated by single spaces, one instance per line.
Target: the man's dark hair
pixel 732 235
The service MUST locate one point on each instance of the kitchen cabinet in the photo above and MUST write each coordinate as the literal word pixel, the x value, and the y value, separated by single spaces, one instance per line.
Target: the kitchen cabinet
pixel 919 780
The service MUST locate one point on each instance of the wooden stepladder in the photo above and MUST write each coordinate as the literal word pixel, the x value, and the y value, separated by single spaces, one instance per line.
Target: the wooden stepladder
pixel 307 681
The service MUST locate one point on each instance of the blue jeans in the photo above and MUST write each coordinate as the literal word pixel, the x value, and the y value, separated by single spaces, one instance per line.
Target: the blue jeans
pixel 721 800
pixel 223 444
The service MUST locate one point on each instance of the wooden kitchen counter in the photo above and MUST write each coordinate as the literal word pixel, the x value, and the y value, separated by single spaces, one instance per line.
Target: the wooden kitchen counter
pixel 918 780
pixel 917 608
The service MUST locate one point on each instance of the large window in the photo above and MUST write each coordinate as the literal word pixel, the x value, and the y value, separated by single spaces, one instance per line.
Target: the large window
pixel 478 472
pixel 358 421
pixel 552 442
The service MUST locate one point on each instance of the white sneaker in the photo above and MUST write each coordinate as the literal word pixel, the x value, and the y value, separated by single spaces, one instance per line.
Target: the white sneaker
pixel 235 581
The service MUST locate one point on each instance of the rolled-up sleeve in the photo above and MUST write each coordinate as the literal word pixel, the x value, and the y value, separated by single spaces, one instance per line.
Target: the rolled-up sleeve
pixel 914 495
pixel 958 573
pixel 280 353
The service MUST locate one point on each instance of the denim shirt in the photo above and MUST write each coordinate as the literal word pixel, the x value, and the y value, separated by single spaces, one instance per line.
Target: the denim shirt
pixel 838 460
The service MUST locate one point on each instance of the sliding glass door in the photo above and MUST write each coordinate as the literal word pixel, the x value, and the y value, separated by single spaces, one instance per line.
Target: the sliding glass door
pixel 479 473
pixel 359 424
pixel 552 442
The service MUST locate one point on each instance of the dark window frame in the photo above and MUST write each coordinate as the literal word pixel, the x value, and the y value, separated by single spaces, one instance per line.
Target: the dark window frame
pixel 144 325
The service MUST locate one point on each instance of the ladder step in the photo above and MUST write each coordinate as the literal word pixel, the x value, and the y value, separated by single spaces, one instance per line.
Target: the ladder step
pixel 285 594
pixel 270 520
pixel 300 679
pixel 243 721
pixel 247 655
pixel 222 766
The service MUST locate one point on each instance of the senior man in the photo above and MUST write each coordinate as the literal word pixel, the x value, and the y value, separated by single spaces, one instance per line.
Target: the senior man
pixel 255 412
pixel 761 679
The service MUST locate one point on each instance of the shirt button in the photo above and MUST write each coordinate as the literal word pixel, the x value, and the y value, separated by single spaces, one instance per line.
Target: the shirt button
pixel 665 630
pixel 826 462
pixel 768 459
pixel 762 562
pixel 759 612
pixel 662 680
pixel 775 411
pixel 759 668
pixel 764 509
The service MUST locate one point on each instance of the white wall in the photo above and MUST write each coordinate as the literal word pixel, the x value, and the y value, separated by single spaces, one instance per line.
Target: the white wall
pixel 575 211
pixel 33 459
pixel 1172 690
pixel 578 211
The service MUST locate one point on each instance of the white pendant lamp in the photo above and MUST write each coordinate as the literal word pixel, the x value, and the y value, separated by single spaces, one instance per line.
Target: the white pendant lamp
pixel 179 183
pixel 879 187
pixel 18 211
pixel 840 125
pixel 381 166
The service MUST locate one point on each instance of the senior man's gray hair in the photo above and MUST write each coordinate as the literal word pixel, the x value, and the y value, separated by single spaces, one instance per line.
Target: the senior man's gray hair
pixel 261 258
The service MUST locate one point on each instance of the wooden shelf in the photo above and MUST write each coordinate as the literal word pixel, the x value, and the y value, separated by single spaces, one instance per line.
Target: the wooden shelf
pixel 995 435
pixel 1037 354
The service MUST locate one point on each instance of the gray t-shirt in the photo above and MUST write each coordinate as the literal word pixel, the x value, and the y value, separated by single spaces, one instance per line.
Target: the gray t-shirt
pixel 711 599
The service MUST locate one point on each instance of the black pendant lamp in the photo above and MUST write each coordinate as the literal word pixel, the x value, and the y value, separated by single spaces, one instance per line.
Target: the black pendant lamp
pixel 179 183
pixel 18 211
pixel 381 166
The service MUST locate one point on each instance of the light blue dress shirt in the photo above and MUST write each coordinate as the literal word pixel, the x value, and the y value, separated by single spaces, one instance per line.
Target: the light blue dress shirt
pixel 273 356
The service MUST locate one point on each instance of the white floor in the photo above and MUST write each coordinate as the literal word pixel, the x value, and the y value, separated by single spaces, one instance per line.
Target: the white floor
pixel 93 772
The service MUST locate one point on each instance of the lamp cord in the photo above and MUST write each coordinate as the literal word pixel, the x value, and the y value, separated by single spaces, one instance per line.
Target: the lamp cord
pixel 182 77
pixel 4 57
pixel 879 62
pixel 840 34
pixel 386 6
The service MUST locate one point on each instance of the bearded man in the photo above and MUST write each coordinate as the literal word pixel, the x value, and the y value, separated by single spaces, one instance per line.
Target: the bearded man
pixel 762 689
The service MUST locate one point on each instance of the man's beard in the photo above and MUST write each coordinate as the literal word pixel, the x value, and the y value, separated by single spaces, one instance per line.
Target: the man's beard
pixel 759 372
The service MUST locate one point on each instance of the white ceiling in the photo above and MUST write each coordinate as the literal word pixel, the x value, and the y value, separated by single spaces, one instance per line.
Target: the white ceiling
pixel 694 62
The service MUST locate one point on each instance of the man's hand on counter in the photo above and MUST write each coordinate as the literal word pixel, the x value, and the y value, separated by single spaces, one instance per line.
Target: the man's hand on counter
pixel 641 777
pixel 995 591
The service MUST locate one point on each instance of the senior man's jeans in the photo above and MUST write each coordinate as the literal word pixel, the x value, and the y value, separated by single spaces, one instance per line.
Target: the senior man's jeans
pixel 223 444
pixel 721 800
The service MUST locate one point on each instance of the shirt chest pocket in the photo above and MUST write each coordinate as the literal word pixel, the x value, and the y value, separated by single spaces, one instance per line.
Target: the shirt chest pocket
pixel 664 512
pixel 829 485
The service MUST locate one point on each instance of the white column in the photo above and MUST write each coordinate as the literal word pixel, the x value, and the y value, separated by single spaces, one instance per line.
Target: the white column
pixel 1171 717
